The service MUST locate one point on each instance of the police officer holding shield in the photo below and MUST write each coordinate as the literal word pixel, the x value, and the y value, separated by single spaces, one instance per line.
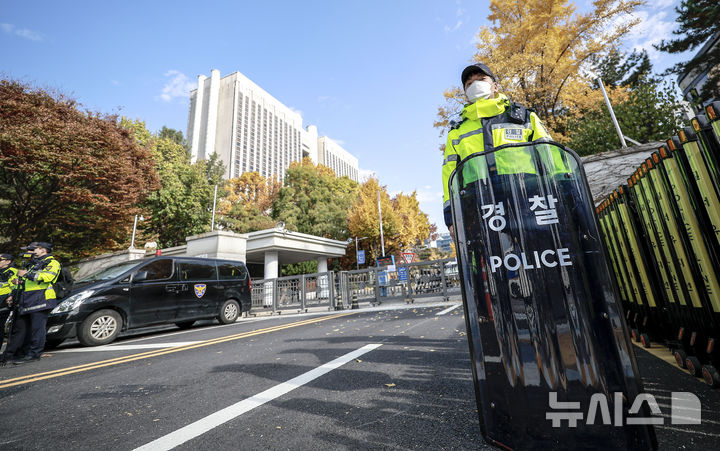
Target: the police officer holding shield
pixel 37 298
pixel 544 323
pixel 489 120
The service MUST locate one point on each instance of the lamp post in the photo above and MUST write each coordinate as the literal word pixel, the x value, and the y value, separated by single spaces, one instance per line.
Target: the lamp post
pixel 212 223
pixel 382 239
pixel 357 263
pixel 132 240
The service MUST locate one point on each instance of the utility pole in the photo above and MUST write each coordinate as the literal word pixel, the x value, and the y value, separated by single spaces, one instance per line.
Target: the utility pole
pixel 612 113
pixel 382 240
pixel 212 224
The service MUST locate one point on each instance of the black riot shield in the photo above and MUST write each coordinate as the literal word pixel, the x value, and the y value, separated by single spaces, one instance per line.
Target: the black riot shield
pixel 552 360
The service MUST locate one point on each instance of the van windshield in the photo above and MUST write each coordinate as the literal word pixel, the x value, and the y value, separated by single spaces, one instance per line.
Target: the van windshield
pixel 107 273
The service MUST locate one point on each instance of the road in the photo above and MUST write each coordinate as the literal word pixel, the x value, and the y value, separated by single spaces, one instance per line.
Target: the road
pixel 395 378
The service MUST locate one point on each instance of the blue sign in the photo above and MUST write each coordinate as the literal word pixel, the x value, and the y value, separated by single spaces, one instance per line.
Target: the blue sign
pixel 361 257
pixel 382 278
pixel 402 273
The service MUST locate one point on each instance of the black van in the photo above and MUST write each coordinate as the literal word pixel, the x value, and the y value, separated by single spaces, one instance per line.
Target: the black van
pixel 160 290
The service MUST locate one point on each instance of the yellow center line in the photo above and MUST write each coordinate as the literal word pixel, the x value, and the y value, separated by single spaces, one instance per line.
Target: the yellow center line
pixel 145 355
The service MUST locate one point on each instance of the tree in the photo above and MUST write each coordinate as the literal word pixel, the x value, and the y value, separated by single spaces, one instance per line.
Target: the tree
pixel 415 224
pixel 538 50
pixel 248 204
pixel 182 206
pixel 699 21
pixel 315 201
pixel 67 176
pixel 620 69
pixel 649 112
pixel 364 219
pixel 404 225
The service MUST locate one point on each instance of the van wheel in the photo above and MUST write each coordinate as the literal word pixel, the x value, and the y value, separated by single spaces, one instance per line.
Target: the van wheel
pixel 229 312
pixel 52 344
pixel 185 324
pixel 100 328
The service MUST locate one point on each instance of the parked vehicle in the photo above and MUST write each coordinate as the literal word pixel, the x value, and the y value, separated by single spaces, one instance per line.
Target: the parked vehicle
pixel 162 290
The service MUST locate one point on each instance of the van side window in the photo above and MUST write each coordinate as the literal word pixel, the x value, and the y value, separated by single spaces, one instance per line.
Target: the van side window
pixel 196 271
pixel 158 270
pixel 230 271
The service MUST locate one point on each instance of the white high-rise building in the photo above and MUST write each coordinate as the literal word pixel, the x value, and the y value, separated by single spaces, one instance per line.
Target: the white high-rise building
pixel 250 130
pixel 336 158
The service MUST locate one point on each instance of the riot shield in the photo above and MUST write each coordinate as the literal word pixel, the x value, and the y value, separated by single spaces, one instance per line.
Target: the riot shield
pixel 552 360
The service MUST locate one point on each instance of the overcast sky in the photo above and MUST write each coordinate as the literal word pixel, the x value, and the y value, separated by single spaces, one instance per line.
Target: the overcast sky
pixel 369 74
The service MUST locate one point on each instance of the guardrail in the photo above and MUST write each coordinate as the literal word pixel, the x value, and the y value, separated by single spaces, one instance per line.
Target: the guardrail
pixel 294 292
pixel 347 289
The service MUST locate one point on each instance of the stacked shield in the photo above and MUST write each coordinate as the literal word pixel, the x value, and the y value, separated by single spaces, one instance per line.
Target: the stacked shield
pixel 662 231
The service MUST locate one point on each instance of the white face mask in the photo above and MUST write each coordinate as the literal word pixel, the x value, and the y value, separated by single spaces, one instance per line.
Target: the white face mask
pixel 478 90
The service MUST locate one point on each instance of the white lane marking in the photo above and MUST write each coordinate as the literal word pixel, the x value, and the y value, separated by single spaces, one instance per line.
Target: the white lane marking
pixel 214 420
pixel 129 347
pixel 448 310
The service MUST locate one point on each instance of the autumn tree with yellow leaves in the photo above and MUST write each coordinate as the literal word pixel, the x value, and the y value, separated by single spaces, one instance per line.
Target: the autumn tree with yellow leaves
pixel 539 50
pixel 248 205
pixel 404 224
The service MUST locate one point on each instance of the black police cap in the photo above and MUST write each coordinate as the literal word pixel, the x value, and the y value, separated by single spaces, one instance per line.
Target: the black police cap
pixel 36 244
pixel 477 68
pixel 6 257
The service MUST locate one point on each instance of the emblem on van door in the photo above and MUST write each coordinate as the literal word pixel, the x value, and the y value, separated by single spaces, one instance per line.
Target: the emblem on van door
pixel 200 289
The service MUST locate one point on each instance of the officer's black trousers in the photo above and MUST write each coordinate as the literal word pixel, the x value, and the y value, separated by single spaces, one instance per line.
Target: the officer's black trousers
pixel 29 327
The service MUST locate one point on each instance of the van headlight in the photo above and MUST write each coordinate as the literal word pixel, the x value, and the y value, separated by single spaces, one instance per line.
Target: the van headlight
pixel 72 302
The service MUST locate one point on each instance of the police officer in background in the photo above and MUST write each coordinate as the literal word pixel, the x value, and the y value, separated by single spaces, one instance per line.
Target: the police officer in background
pixel 8 274
pixel 489 120
pixel 36 301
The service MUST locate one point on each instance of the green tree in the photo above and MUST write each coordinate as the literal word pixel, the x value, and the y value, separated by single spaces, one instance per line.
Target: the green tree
pixel 315 201
pixel 183 204
pixel 620 69
pixel 699 22
pixel 650 111
pixel 69 176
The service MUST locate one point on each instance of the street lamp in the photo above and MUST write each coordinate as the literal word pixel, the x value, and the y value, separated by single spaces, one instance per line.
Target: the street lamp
pixel 357 263
pixel 132 240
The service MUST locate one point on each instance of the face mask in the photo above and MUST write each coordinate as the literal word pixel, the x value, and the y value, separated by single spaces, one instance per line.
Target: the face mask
pixel 478 90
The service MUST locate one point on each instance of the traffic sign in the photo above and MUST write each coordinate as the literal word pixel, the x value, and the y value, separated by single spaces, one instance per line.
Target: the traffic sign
pixel 402 273
pixel 408 257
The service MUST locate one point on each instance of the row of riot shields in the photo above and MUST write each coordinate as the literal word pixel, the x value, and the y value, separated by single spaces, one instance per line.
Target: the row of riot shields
pixel 662 231
pixel 551 353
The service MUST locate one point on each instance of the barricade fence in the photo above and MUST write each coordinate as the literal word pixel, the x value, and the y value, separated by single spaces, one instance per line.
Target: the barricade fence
pixel 662 234
pixel 347 289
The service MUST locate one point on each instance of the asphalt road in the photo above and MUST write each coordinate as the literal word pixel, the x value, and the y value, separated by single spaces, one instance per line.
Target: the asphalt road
pixel 382 379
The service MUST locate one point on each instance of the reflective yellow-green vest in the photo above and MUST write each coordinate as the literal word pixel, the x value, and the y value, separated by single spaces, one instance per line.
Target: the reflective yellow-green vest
pixel 39 293
pixel 7 276
pixel 489 123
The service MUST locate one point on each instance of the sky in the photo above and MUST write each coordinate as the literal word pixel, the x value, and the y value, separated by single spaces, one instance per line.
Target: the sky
pixel 369 74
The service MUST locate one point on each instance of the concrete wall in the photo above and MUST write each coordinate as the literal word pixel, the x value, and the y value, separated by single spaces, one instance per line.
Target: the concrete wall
pixel 217 244
pixel 608 170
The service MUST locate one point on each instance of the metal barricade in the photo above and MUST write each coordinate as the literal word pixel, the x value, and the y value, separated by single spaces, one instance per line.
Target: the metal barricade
pixel 294 293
